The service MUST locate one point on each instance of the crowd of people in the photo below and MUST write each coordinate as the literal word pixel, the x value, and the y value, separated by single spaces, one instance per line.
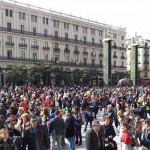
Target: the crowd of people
pixel 38 117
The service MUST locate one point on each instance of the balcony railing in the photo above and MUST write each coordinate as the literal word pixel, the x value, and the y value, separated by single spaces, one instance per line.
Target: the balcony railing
pixel 117 47
pixel 56 49
pixel 22 45
pixel 35 46
pixel 76 52
pixel 85 53
pixel 46 48
pixel 5 29
pixel 146 62
pixel 66 50
pixel 93 54
pixel 10 43
pixel 114 56
pixel 122 57
pixel 100 55
pixel 121 67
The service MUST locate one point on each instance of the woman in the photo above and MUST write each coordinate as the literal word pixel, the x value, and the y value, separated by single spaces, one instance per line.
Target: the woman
pixel 5 142
pixel 108 134
pixel 126 136
pixel 26 122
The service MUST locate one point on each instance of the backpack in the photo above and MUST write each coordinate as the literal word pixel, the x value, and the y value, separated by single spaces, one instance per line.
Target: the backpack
pixel 147 136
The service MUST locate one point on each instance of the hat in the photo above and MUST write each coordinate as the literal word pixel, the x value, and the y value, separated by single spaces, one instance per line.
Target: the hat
pixel 96 123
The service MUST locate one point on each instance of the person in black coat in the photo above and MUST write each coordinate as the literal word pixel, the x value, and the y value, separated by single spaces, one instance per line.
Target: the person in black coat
pixel 94 140
pixel 108 133
pixel 70 129
pixel 35 137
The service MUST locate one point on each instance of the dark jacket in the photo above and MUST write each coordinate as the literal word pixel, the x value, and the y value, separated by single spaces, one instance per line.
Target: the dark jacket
pixel 57 125
pixel 92 140
pixel 70 127
pixel 8 145
pixel 30 138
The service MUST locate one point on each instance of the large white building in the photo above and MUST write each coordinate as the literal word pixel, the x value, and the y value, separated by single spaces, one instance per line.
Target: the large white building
pixel 31 34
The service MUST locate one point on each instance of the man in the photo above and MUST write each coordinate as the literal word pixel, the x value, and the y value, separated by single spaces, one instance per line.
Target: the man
pixel 56 129
pixel 35 137
pixel 70 129
pixel 94 139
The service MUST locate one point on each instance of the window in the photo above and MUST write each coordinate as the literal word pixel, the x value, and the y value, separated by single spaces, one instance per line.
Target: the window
pixel 66 59
pixel 84 29
pixel 122 38
pixel 33 18
pixel 114 63
pixel 122 55
pixel 122 45
pixel 114 35
pixel 34 43
pixel 45 32
pixel 22 40
pixel 57 59
pixel 45 20
pixel 21 16
pixel 84 38
pixel 114 53
pixel 56 23
pixel 66 46
pixel 66 36
pixel 84 49
pixel 75 27
pixel 100 33
pixel 8 26
pixel 84 61
pixel 66 25
pixel 46 57
pixel 122 64
pixel 9 54
pixel 76 48
pixel 146 75
pixel 22 28
pixel 100 62
pixel 8 12
pixel 93 40
pixel 22 55
pixel 11 13
pixel 93 61
pixel 100 42
pixel 56 34
pixel 56 45
pixel 34 56
pixel 34 30
pixel 76 37
pixel 46 44
pixel 9 39
pixel 92 31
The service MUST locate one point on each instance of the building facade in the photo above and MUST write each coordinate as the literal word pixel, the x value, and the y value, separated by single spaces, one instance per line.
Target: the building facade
pixel 143 60
pixel 30 34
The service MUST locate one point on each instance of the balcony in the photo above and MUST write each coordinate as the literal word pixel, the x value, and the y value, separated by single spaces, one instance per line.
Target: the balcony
pixel 46 48
pixel 122 57
pixel 22 45
pixel 114 56
pixel 146 62
pixel 52 37
pixel 100 55
pixel 10 43
pixel 56 49
pixel 85 53
pixel 76 52
pixel 93 54
pixel 66 50
pixel 35 46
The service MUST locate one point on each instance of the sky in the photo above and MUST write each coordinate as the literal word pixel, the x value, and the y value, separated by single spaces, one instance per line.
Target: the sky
pixel 132 14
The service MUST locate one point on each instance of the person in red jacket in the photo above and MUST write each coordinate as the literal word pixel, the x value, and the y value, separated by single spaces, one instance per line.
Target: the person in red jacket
pixel 126 135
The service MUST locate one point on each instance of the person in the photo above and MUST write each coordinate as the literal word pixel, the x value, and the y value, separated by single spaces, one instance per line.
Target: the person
pixel 14 134
pixel 70 129
pixel 56 130
pixel 5 142
pixel 94 140
pixel 78 124
pixel 108 134
pixel 126 136
pixel 35 137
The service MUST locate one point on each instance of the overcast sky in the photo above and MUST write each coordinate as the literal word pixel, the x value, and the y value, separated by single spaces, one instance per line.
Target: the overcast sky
pixel 132 14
